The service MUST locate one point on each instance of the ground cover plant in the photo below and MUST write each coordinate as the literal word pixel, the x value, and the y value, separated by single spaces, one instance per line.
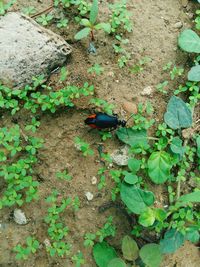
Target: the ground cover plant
pixel 163 152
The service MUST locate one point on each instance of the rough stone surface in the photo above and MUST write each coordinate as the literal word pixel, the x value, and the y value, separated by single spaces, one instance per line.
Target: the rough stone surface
pixel 120 156
pixel 19 217
pixel 89 196
pixel 28 50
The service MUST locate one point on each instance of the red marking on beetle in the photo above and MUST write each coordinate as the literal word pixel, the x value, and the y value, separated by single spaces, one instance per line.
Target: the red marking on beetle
pixel 93 116
pixel 94 126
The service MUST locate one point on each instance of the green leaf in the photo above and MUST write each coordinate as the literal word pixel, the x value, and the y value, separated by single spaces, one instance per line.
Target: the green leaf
pixel 103 254
pixel 194 74
pixel 151 255
pixel 159 165
pixel 82 33
pixel 191 197
pixel 198 145
pixel 129 248
pixel 176 146
pixel 147 218
pixel 172 241
pixel 85 22
pixel 178 114
pixel 192 235
pixel 104 26
pixel 189 41
pixel 130 178
pixel 117 262
pixel 134 138
pixel 136 199
pixel 94 12
pixel 134 165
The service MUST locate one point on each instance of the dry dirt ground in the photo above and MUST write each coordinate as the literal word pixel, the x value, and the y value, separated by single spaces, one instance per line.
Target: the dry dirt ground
pixel 154 35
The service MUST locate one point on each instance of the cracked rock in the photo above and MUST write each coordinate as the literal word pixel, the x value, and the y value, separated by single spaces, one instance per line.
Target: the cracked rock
pixel 28 49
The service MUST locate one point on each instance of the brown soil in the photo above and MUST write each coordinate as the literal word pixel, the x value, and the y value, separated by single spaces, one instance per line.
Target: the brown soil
pixel 154 35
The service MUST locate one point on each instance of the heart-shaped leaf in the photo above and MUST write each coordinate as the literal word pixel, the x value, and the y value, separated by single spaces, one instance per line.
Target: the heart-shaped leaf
pixel 130 248
pixel 135 198
pixel 134 165
pixel 134 138
pixel 151 255
pixel 176 146
pixel 178 114
pixel 159 165
pixel 131 178
pixel 103 254
pixel 172 241
pixel 194 74
pixel 189 41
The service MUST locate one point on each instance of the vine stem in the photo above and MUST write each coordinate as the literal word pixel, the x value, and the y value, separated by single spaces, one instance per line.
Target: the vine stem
pixel 178 189
pixel 43 11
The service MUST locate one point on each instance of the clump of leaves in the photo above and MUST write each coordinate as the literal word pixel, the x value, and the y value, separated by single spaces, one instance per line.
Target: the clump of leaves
pixel 32 245
pixel 44 19
pixel 82 146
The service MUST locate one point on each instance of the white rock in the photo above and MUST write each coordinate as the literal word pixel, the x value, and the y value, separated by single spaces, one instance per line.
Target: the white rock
pixel 28 49
pixel 47 242
pixel 120 156
pixel 89 196
pixel 147 91
pixel 19 217
pixel 94 180
pixel 178 25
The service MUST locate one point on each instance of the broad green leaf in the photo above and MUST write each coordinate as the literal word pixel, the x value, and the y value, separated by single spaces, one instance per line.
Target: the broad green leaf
pixel 117 262
pixel 189 41
pixel 85 22
pixel 159 165
pixel 147 218
pixel 135 198
pixel 176 146
pixel 82 33
pixel 104 26
pixel 178 114
pixel 134 138
pixel 172 241
pixel 94 12
pixel 129 248
pixel 151 255
pixel 103 254
pixel 191 197
pixel 130 178
pixel 134 165
pixel 194 74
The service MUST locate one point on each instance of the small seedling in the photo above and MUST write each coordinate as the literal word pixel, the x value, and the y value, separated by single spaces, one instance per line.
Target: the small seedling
pixel 96 68
pixel 29 10
pixel 84 147
pixel 64 175
pixel 4 7
pixel 62 23
pixel 90 24
pixel 44 19
pixel 161 87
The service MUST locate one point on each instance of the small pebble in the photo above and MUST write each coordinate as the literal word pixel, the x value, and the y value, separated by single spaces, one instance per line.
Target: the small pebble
pixel 89 196
pixel 147 91
pixel 130 107
pixel 94 180
pixel 178 25
pixel 19 217
pixel 47 242
pixel 120 156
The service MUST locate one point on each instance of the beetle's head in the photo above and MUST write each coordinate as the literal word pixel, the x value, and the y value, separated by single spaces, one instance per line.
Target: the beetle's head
pixel 122 123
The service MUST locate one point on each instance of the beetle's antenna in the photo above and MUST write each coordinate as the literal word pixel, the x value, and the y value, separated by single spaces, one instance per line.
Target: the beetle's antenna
pixel 130 117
